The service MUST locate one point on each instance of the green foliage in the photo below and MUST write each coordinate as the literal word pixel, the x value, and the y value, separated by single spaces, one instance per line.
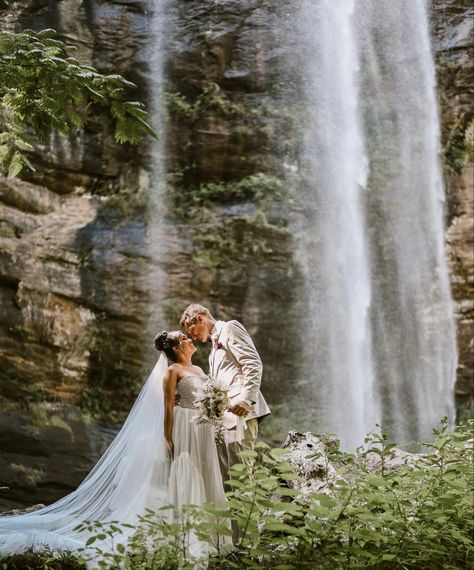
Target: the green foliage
pixel 130 202
pixel 226 241
pixel 43 88
pixel 236 242
pixel 457 132
pixel 160 541
pixel 260 188
pixel 178 105
pixel 210 98
pixel 44 560
pixel 9 230
pixel 114 383
pixel 465 413
pixel 213 98
pixel 416 516
pixel 44 414
pixel 14 387
pixel 28 475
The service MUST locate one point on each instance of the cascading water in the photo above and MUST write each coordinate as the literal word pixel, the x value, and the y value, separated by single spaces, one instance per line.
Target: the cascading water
pixel 159 27
pixel 380 341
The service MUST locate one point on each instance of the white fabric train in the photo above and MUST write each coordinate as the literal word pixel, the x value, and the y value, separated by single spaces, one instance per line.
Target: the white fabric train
pixel 131 476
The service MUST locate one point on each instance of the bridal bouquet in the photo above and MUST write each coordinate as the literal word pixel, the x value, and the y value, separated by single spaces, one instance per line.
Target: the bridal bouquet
pixel 212 400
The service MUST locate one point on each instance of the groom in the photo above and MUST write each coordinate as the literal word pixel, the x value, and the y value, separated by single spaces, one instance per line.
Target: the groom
pixel 235 360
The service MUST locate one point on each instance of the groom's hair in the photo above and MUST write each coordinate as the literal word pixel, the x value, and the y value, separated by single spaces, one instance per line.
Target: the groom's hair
pixel 192 312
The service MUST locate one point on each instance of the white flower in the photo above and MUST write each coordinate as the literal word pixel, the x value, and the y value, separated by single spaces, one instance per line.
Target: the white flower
pixel 212 400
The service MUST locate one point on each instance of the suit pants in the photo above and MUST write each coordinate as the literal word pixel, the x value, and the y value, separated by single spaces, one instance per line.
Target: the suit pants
pixel 229 451
pixel 229 454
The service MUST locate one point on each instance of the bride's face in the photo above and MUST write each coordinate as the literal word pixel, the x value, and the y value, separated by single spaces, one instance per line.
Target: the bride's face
pixel 186 345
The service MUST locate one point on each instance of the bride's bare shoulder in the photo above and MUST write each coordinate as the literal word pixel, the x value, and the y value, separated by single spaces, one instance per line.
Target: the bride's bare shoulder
pixel 174 368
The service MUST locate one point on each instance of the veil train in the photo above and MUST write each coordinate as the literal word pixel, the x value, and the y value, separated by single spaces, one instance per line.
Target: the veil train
pixel 131 476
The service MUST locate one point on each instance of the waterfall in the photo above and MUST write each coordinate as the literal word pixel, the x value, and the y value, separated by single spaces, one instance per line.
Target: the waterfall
pixel 159 23
pixel 379 340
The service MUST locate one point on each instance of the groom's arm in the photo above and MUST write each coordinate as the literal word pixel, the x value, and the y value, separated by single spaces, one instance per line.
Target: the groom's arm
pixel 243 349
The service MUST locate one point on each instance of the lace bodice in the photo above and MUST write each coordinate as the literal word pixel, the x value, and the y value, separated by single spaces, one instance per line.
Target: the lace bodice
pixel 186 389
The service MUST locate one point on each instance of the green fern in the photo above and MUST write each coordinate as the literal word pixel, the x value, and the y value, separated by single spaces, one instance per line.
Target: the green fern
pixel 16 164
pixel 43 88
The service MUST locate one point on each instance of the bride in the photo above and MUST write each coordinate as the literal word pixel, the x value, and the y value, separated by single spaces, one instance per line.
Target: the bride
pixel 195 476
pixel 160 457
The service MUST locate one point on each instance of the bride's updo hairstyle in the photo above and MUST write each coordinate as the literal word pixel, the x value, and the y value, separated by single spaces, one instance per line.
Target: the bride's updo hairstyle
pixel 165 341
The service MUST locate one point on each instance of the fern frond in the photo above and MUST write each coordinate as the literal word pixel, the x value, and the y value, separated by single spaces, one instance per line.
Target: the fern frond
pixel 16 165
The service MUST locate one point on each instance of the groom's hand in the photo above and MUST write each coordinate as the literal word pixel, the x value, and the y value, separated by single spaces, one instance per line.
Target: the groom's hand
pixel 240 409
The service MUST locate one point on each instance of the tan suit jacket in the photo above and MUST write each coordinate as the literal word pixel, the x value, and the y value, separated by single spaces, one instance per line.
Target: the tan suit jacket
pixel 234 359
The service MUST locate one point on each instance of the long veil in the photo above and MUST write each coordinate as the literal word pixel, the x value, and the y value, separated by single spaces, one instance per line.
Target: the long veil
pixel 131 475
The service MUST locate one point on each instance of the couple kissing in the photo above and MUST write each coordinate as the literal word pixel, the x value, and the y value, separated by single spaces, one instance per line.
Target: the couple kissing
pixel 234 360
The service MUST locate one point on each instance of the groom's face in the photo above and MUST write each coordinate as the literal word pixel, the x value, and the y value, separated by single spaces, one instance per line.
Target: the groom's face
pixel 199 330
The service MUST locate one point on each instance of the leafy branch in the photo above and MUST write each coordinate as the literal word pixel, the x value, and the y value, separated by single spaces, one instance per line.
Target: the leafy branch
pixel 43 88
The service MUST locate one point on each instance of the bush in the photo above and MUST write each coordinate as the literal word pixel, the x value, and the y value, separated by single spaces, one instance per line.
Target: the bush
pixel 417 516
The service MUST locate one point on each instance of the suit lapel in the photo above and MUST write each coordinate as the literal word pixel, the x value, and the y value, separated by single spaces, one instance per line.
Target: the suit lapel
pixel 212 356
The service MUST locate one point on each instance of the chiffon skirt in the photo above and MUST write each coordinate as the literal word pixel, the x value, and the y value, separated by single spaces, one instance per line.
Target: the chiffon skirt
pixel 195 476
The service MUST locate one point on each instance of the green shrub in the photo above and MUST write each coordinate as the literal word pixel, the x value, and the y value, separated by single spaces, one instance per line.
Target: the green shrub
pixel 416 516
pixel 45 560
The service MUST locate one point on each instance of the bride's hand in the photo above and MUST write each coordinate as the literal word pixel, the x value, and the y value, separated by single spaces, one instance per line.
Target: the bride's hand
pixel 170 448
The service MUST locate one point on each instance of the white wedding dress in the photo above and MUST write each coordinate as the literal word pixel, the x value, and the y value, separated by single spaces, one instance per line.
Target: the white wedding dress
pixel 133 475
pixel 195 476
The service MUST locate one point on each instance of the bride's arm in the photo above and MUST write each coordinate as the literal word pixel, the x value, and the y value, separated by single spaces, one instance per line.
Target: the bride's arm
pixel 169 389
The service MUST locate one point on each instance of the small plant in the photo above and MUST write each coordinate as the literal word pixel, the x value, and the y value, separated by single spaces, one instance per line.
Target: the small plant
pixel 210 98
pixel 160 540
pixel 230 243
pixel 44 560
pixel 130 202
pixel 30 475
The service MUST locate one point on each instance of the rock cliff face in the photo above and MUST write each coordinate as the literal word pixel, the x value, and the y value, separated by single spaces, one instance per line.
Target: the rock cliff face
pixel 76 263
pixel 73 270
pixel 72 280
pixel 453 45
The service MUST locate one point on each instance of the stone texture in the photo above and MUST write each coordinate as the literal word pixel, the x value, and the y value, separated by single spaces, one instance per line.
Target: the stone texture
pixel 73 269
pixel 460 240
pixel 57 279
pixel 312 457
pixel 230 50
pixel 27 197
pixel 308 454
pixel 453 42
pixel 46 453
